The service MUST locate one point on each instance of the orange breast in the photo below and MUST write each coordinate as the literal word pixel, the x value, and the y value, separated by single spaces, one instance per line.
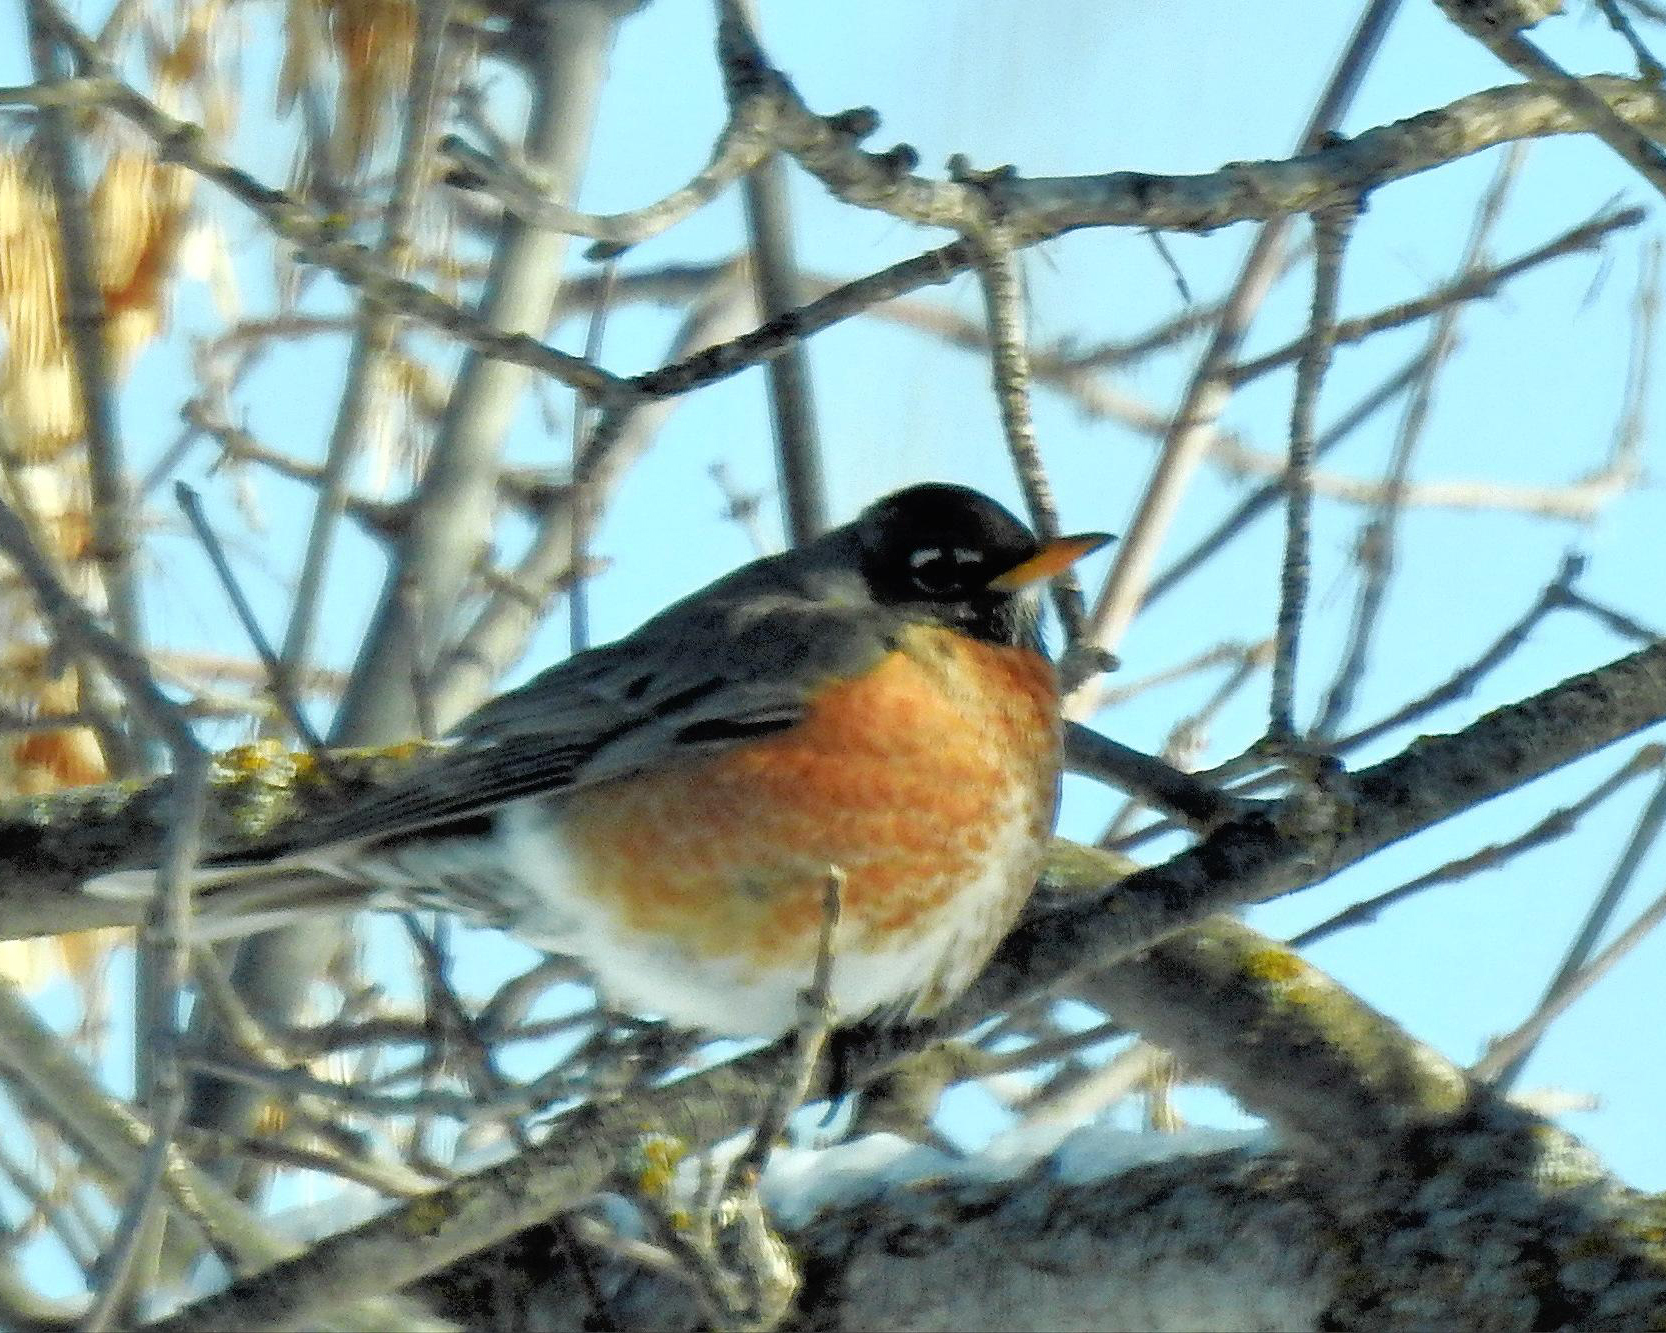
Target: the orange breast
pixel 909 779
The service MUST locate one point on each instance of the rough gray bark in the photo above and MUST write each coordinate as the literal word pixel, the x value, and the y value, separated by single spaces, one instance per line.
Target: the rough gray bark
pixel 1231 1240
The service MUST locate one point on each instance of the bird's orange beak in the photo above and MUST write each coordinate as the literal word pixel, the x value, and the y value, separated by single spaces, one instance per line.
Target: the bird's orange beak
pixel 1050 561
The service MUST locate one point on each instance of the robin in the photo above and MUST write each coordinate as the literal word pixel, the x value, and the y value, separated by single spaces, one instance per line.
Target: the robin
pixel 669 807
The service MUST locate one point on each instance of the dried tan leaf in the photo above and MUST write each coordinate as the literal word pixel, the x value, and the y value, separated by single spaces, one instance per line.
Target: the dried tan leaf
pixel 374 41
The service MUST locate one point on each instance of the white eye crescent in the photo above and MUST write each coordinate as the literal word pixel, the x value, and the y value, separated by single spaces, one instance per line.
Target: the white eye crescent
pixel 925 556
pixel 963 556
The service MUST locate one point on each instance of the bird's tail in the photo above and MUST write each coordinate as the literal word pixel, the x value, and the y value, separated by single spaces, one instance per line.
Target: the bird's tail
pixel 233 900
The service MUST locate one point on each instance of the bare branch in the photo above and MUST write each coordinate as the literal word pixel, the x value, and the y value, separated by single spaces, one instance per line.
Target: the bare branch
pixel 1469 285
pixel 803 484
pixel 498 633
pixel 1513 1049
pixel 743 142
pixel 1503 1064
pixel 78 627
pixel 170 945
pixel 372 337
pixel 50 1081
pixel 191 503
pixel 1206 393
pixel 1647 66
pixel 451 510
pixel 1518 52
pixel 1557 824
pixel 112 500
pixel 1377 540
pixel 1010 364
pixel 317 236
pixel 1331 231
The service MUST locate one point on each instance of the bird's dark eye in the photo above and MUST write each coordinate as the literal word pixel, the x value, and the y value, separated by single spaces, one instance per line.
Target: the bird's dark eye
pixel 944 571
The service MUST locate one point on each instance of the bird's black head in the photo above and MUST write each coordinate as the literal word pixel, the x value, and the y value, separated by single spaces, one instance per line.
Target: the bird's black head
pixel 957 557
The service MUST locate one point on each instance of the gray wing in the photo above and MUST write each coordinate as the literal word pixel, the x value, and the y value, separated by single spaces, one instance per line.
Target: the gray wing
pixel 696 680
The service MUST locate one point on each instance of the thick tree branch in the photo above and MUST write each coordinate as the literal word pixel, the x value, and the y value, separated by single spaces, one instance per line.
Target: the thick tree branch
pixel 1075 1238
pixel 50 844
pixel 1361 1098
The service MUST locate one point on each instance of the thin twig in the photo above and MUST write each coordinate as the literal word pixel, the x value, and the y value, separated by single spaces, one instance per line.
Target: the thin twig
pixel 390 1178
pixel 1647 65
pixel 1467 286
pixel 169 929
pixel 1207 392
pixel 1462 682
pixel 112 500
pixel 111 1141
pixel 1521 55
pixel 1009 356
pixel 780 289
pixel 1503 1070
pixel 509 1005
pixel 1049 206
pixel 318 235
pixel 48 1206
pixel 168 947
pixel 745 140
pixel 619 437
pixel 580 499
pixel 277 678
pixel 1616 622
pixel 1509 1052
pixel 1252 506
pixel 372 339
pixel 1186 740
pixel 722 360
pixel 1377 541
pixel 815 1020
pixel 1557 824
pixel 1066 1100
pixel 1047 1050
pixel 1226 653
pixel 78 627
pixel 1331 231
pixel 482 1067
pixel 740 507
pixel 1155 783
pixel 1327 1095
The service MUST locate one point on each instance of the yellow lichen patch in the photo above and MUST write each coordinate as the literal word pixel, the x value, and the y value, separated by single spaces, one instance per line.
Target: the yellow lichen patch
pixel 403 752
pixel 262 776
pixel 1278 966
pixel 274 1116
pixel 423 1216
pixel 263 783
pixel 262 760
pixel 656 1158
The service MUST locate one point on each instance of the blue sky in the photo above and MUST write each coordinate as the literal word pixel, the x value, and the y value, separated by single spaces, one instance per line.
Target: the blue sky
pixel 1083 86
